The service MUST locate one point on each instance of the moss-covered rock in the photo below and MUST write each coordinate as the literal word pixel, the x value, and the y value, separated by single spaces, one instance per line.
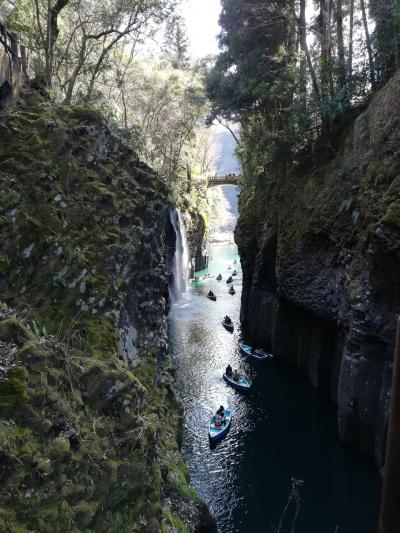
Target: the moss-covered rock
pixel 85 409
pixel 319 240
pixel 12 330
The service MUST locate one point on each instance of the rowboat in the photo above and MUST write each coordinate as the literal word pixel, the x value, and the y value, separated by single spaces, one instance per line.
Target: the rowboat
pixel 259 355
pixel 240 384
pixel 229 280
pixel 228 325
pixel 212 297
pixel 219 277
pixel 231 290
pixel 216 433
pixel 234 273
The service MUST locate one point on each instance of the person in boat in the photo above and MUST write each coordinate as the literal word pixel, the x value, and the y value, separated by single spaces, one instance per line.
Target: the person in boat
pixel 218 421
pixel 210 293
pixel 219 416
pixel 236 376
pixel 227 320
pixel 228 371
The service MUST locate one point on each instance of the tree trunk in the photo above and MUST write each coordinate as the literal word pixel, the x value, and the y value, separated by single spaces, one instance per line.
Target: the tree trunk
pixel 350 65
pixel 303 44
pixel 323 40
pixel 306 51
pixel 75 73
pixel 329 46
pixel 340 45
pixel 369 46
pixel 52 35
pixel 24 61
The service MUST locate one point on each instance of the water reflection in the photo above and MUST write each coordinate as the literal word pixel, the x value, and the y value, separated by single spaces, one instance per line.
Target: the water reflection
pixel 280 429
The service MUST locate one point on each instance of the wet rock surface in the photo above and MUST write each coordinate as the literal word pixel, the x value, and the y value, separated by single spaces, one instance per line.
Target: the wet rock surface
pixel 320 251
pixel 197 238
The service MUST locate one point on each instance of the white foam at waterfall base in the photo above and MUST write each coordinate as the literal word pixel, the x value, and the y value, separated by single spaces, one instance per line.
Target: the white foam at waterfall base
pixel 180 264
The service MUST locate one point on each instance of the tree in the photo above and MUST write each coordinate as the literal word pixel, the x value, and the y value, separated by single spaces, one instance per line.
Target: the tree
pixel 175 46
pixel 368 44
pixel 386 37
pixel 340 44
pixel 72 40
pixel 285 90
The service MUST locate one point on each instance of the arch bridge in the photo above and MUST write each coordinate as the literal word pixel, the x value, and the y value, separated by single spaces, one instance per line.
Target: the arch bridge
pixel 227 179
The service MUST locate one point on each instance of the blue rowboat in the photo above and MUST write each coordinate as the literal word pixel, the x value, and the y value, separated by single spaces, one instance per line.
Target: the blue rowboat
pixel 228 325
pixel 216 433
pixel 259 356
pixel 241 384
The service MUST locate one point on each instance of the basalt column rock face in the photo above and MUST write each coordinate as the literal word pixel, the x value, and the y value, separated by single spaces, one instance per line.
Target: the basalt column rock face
pixel 320 251
pixel 196 234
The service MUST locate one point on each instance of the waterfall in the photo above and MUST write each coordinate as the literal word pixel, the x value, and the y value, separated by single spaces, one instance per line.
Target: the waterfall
pixel 180 263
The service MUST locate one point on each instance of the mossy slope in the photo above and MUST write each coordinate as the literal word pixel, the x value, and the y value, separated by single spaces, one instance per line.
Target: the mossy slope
pixel 87 430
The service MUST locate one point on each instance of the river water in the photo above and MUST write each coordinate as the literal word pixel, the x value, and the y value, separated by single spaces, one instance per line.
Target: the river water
pixel 281 430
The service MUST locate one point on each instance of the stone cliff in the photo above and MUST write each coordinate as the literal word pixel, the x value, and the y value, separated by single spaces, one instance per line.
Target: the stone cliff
pixel 197 238
pixel 88 421
pixel 320 250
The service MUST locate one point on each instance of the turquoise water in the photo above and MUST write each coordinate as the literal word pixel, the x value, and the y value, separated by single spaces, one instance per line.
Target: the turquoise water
pixel 281 429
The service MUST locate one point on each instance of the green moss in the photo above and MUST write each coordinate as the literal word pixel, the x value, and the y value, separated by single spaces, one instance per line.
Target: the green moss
pixel 13 388
pixel 59 449
pixel 80 431
pixel 12 330
pixel 392 215
pixel 172 520
pixel 86 511
pixel 102 337
pixel 33 355
pixel 178 478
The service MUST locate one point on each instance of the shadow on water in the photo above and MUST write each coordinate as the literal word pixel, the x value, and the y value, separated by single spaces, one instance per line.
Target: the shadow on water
pixel 281 429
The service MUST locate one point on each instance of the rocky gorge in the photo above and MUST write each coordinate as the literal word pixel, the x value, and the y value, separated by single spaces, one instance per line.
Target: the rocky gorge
pixel 320 250
pixel 89 425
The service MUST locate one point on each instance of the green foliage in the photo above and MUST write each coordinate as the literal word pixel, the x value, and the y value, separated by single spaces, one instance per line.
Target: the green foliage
pixel 176 43
pixel 285 94
pixel 386 37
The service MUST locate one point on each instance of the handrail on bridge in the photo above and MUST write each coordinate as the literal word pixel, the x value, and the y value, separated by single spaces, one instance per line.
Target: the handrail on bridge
pixel 227 177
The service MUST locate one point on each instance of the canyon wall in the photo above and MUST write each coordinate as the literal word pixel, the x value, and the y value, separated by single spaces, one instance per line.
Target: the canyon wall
pixel 197 239
pixel 320 250
pixel 89 425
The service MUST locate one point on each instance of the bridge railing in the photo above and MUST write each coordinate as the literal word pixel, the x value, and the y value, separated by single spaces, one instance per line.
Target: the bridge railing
pixel 226 177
